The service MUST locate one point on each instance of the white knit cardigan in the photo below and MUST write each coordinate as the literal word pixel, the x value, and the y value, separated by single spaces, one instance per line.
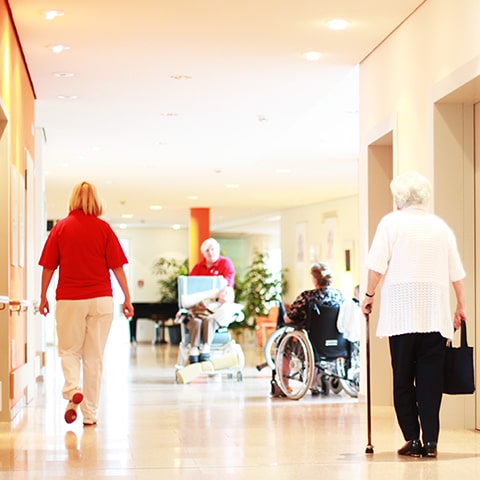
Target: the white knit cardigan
pixel 417 253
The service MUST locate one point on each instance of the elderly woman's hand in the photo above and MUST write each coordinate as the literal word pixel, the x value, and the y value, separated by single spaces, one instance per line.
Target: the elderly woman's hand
pixel 367 305
pixel 459 316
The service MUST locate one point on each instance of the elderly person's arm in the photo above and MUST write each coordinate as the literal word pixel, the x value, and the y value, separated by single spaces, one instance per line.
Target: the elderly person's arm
pixel 460 312
pixel 372 283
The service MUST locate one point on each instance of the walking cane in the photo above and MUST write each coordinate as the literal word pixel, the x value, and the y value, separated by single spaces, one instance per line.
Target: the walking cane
pixel 369 449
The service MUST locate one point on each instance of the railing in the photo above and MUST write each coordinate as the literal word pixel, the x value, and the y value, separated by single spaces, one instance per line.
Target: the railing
pixel 4 301
pixel 19 305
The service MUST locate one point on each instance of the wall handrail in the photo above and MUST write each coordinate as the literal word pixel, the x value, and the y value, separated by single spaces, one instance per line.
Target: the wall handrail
pixel 4 301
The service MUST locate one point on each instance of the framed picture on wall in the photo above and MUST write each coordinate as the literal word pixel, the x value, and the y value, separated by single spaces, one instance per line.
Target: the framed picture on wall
pixel 301 243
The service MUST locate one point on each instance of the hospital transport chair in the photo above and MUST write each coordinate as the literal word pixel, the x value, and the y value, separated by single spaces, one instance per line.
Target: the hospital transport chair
pixel 226 356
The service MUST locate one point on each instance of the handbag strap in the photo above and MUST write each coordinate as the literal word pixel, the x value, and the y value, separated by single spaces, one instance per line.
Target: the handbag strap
pixel 463 333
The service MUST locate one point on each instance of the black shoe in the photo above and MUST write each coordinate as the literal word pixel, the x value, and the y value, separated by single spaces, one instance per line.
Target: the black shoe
pixel 430 449
pixel 413 448
pixel 193 359
pixel 204 357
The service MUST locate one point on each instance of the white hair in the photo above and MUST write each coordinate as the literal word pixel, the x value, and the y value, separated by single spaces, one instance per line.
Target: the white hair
pixel 410 188
pixel 209 242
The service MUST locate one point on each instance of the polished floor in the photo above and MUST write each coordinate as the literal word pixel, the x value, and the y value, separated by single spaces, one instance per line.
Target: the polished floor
pixel 214 428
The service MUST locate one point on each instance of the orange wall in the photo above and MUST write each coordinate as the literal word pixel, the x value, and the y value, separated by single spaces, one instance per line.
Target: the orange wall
pixel 17 97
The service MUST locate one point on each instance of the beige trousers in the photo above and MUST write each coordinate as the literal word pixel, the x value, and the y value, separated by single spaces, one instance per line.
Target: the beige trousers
pixel 82 329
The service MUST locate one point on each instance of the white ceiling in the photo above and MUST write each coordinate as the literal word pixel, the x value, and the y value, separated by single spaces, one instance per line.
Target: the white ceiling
pixel 254 113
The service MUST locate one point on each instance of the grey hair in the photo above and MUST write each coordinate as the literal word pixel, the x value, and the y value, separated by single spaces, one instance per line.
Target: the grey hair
pixel 410 188
pixel 209 242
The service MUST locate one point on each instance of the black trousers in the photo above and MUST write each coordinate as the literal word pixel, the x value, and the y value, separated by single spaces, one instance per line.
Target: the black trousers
pixel 417 362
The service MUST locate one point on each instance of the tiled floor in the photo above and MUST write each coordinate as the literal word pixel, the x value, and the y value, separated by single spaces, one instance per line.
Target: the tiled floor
pixel 214 428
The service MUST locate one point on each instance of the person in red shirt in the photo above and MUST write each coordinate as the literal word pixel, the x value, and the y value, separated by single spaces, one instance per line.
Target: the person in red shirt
pixel 202 326
pixel 84 248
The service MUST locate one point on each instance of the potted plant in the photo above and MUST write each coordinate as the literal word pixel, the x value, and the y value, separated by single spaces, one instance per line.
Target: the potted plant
pixel 259 290
pixel 168 270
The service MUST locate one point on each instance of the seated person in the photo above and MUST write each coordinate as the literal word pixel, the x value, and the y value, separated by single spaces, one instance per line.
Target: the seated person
pixel 349 318
pixel 322 294
pixel 205 316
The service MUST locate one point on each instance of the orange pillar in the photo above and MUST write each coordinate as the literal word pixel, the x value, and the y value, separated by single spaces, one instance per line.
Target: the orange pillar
pixel 198 232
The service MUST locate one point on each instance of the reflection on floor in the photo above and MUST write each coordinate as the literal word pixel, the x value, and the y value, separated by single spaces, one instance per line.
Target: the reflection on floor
pixel 215 428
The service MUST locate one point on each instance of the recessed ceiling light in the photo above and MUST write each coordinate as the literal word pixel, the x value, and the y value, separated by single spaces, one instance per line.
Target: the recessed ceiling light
pixel 169 114
pixel 63 74
pixel 58 48
pixel 155 207
pixel 233 185
pixel 67 97
pixel 122 226
pixel 176 226
pixel 192 197
pixel 51 14
pixel 127 215
pixel 312 56
pixel 181 77
pixel 338 24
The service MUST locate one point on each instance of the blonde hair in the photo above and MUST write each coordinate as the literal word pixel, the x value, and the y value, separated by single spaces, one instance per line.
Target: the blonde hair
pixel 84 197
pixel 322 274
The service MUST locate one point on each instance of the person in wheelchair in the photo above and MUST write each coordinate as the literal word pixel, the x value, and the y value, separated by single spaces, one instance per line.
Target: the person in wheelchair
pixel 204 318
pixel 322 295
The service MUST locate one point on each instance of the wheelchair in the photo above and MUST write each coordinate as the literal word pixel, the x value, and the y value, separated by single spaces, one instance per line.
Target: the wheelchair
pixel 316 358
pixel 226 355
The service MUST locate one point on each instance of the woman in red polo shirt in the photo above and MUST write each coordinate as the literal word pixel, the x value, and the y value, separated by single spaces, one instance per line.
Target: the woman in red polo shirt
pixel 85 249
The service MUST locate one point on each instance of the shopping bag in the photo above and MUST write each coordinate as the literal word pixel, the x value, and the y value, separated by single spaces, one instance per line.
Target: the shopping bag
pixel 458 373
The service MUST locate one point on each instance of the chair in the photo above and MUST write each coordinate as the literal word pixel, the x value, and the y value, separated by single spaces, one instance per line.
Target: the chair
pixel 226 355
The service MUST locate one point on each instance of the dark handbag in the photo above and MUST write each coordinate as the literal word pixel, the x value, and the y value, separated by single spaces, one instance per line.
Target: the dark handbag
pixel 458 373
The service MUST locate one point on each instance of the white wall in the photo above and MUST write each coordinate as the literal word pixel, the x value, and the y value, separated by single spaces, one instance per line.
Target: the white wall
pixel 399 84
pixel 146 245
pixel 323 231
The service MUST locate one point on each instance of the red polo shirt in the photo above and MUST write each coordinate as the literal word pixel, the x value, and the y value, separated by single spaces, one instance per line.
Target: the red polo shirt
pixel 84 248
pixel 223 266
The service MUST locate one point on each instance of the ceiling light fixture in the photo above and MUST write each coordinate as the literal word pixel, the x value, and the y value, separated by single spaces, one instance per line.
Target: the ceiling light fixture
pixel 312 56
pixel 176 226
pixel 58 48
pixel 52 14
pixel 180 77
pixel 338 24
pixel 67 97
pixel 155 207
pixel 63 74
pixel 127 215
pixel 233 185
pixel 192 197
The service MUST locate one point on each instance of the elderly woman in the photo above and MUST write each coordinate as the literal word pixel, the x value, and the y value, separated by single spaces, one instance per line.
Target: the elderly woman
pixel 414 253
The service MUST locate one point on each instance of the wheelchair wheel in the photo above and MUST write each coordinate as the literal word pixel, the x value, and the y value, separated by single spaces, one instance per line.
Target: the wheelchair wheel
pixel 271 345
pixel 335 385
pixel 349 379
pixel 294 364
